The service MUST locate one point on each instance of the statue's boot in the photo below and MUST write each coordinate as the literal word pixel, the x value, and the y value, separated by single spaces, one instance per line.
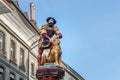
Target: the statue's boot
pixel 40 51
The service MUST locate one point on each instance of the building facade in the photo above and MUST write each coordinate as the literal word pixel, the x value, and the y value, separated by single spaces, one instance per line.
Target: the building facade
pixel 18 45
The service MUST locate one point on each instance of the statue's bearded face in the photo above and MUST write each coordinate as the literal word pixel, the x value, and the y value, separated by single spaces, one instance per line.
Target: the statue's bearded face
pixel 51 22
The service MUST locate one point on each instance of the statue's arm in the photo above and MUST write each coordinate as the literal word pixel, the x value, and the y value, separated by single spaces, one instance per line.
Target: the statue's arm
pixel 57 32
pixel 43 32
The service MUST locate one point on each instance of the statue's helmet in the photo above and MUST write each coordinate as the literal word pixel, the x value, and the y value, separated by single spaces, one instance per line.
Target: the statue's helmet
pixel 47 20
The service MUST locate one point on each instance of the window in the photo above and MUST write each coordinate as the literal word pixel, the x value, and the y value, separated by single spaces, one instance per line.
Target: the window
pixel 21 79
pixel 1 41
pixel 12 76
pixel 12 50
pixel 32 68
pixel 21 61
pixel 1 73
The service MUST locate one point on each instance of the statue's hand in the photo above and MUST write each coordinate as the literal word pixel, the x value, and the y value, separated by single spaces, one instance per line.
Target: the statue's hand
pixel 57 36
pixel 50 40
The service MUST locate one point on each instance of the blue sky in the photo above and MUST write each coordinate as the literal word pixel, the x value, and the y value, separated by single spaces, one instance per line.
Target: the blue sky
pixel 91 34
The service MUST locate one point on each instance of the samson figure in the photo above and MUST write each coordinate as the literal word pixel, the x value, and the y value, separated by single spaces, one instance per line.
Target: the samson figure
pixel 47 31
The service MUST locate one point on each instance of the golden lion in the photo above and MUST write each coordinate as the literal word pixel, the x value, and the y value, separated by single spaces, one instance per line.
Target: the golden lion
pixel 55 53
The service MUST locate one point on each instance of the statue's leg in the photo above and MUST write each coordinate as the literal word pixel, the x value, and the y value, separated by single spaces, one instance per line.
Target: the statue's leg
pixel 57 59
pixel 40 51
pixel 44 60
pixel 50 58
pixel 60 57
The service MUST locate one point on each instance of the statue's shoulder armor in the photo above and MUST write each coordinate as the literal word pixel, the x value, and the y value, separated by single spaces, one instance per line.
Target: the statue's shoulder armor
pixel 44 26
pixel 55 28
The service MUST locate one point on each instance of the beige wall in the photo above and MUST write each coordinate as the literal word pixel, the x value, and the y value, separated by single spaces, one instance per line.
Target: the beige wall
pixel 9 35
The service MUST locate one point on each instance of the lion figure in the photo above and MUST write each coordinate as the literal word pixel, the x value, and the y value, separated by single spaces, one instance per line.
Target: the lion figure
pixel 55 53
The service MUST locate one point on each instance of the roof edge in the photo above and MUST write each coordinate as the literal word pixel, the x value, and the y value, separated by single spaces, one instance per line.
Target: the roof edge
pixel 35 27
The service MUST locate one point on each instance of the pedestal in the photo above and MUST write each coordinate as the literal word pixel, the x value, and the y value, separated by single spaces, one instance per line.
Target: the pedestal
pixel 50 72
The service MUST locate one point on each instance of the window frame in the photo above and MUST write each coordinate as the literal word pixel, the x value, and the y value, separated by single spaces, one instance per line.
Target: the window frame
pixel 12 75
pixel 3 73
pixel 23 57
pixel 3 43
pixel 12 57
pixel 32 69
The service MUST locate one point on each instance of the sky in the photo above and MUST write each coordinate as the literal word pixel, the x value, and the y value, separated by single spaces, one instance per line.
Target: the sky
pixel 91 34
